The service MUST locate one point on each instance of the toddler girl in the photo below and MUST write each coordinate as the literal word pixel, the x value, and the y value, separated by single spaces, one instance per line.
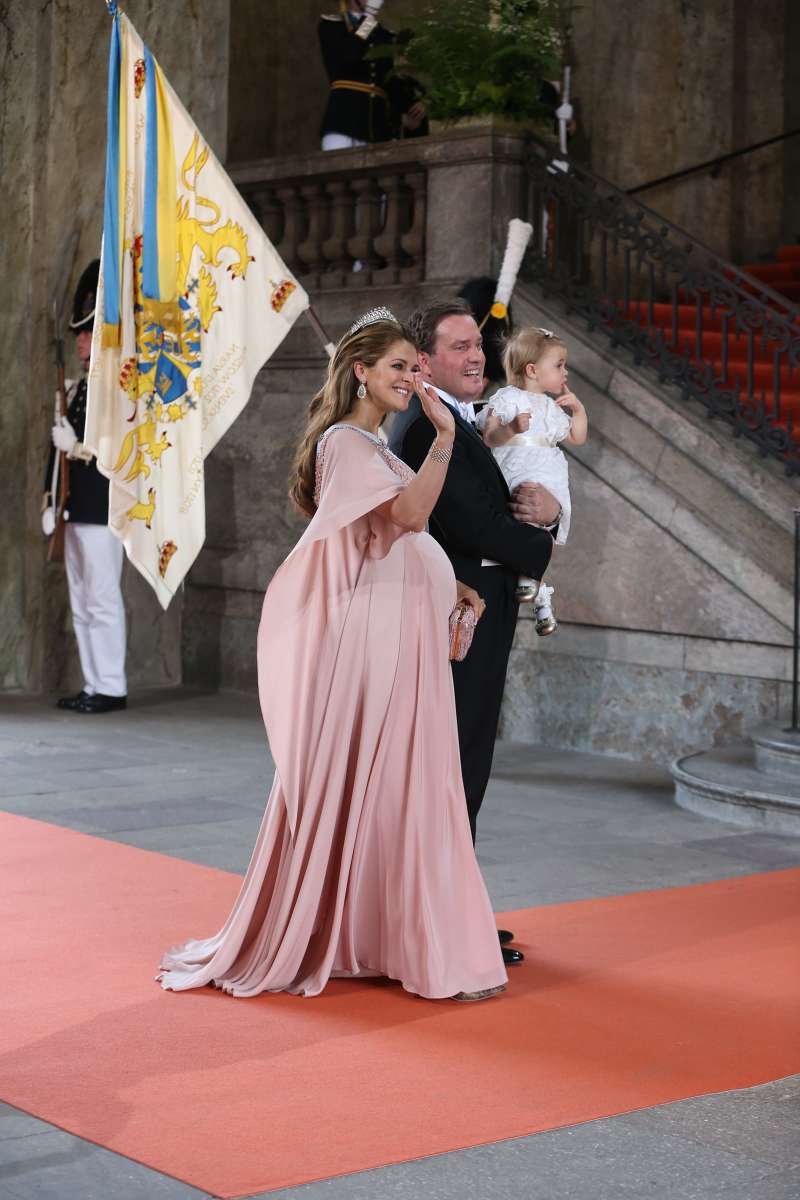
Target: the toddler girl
pixel 524 426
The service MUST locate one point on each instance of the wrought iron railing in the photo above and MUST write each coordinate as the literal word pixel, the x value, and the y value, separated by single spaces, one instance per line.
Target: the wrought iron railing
pixel 724 338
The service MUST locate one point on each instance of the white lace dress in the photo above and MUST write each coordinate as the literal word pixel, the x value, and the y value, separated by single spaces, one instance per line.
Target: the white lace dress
pixel 535 456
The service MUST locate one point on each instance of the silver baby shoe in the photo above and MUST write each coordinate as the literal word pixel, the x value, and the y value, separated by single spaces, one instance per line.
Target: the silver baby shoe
pixel 543 612
pixel 527 591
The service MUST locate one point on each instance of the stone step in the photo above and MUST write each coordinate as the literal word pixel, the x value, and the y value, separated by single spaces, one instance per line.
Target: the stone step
pixel 708 443
pixel 734 552
pixel 777 750
pixel 726 784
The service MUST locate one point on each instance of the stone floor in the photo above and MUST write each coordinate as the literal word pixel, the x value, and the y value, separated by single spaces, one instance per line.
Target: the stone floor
pixel 555 827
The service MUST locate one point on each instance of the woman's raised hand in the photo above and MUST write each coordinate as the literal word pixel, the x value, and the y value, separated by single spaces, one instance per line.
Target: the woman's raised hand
pixel 435 409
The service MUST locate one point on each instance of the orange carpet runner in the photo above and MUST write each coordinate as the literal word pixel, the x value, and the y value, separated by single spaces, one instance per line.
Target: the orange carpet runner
pixel 621 1004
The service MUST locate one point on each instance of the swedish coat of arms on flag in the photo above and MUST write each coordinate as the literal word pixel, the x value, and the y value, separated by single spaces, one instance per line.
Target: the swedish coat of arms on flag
pixel 193 299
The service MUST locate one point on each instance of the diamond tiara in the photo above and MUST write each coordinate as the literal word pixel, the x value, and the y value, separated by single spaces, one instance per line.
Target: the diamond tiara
pixel 371 317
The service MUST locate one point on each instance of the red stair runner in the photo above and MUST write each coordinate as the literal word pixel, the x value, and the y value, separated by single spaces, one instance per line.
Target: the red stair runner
pixel 783 277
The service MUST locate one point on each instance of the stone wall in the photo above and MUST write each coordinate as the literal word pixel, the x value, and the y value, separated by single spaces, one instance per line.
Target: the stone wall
pixel 53 59
pixel 661 87
pixel 790 223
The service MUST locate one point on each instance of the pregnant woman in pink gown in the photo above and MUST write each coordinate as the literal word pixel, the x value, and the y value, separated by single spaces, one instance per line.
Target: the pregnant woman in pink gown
pixel 364 864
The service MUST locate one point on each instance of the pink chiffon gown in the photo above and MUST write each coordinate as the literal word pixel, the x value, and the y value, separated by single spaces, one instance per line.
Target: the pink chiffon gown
pixel 364 865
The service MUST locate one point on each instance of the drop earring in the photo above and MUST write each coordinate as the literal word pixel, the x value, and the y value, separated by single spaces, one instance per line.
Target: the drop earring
pixel 361 391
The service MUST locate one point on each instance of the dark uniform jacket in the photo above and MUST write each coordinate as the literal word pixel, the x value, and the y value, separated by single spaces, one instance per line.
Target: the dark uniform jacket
pixel 88 489
pixel 356 112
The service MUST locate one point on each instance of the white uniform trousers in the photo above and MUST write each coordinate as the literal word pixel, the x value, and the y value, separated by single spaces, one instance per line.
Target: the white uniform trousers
pixel 93 558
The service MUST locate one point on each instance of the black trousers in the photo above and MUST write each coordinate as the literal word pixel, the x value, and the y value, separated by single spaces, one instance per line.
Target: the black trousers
pixel 479 680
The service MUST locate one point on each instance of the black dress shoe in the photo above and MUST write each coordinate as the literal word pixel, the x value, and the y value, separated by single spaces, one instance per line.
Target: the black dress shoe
pixel 72 702
pixel 98 703
pixel 511 957
pixel 505 936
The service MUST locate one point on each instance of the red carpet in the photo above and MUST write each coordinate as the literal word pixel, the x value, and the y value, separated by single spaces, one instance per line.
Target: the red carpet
pixel 623 1003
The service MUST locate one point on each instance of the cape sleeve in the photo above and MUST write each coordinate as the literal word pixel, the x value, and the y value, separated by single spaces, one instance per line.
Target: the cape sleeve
pixel 311 600
pixel 353 480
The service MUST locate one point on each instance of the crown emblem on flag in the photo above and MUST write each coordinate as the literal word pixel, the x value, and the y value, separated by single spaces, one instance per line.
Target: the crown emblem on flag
pixel 281 293
pixel 139 77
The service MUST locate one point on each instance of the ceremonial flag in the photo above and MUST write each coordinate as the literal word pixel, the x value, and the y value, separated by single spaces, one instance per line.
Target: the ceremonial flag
pixel 193 300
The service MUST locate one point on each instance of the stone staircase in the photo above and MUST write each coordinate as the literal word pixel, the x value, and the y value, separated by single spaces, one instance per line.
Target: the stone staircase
pixel 675 590
pixel 754 782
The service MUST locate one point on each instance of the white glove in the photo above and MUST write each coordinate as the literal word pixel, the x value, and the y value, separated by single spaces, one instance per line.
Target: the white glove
pixel 64 436
pixel 371 10
pixel 564 112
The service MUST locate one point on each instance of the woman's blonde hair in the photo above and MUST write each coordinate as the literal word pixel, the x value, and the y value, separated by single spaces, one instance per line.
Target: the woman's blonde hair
pixel 525 347
pixel 336 399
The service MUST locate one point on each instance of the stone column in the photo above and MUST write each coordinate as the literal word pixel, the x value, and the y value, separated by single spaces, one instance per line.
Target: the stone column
pixel 475 187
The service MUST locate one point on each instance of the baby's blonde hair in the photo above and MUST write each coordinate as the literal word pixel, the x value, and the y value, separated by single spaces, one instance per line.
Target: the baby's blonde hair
pixel 525 347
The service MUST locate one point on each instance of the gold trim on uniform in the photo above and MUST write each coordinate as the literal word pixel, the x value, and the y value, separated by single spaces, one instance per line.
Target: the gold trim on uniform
pixel 354 85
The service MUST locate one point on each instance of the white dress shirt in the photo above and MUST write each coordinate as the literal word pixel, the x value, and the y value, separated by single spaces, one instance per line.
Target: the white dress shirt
pixel 466 410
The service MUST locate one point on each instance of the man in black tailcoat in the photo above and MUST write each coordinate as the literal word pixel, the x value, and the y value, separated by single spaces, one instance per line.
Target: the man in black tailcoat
pixel 489 536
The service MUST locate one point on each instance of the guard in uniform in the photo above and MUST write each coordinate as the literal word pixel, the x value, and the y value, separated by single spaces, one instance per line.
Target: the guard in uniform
pixel 92 554
pixel 363 104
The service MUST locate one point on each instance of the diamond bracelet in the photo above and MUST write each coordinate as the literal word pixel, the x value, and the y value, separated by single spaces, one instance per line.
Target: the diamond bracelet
pixel 438 454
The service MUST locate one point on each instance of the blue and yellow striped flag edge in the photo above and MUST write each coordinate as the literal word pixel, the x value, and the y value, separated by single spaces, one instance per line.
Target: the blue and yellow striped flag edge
pixel 159 234
pixel 159 226
pixel 116 172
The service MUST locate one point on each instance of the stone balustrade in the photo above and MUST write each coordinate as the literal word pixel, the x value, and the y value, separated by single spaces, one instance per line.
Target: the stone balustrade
pixel 425 209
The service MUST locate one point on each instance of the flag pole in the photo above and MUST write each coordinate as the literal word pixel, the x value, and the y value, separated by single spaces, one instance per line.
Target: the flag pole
pixel 316 324
pixel 59 483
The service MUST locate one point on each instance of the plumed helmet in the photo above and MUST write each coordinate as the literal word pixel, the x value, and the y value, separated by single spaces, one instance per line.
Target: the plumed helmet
pixel 83 305
pixel 479 294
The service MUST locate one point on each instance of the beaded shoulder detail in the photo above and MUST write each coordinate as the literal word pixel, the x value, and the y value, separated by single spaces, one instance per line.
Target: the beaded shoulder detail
pixel 401 469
